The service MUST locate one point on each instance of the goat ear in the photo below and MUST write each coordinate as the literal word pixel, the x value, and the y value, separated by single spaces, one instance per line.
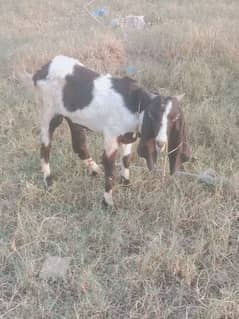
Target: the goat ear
pixel 179 97
pixel 178 148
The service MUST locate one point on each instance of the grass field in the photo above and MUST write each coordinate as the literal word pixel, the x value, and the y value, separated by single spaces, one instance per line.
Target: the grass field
pixel 172 249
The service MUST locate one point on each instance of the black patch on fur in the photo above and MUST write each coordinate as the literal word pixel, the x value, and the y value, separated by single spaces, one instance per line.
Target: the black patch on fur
pixel 135 98
pixel 45 150
pixel 41 74
pixel 152 122
pixel 77 92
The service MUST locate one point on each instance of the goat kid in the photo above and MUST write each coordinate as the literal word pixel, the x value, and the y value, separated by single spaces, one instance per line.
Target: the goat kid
pixel 115 107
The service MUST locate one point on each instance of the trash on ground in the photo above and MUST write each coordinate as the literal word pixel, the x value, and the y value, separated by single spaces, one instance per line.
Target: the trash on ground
pixel 130 70
pixel 133 22
pixel 100 12
pixel 210 178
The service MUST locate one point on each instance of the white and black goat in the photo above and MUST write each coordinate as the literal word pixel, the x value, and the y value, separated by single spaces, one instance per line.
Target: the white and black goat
pixel 116 107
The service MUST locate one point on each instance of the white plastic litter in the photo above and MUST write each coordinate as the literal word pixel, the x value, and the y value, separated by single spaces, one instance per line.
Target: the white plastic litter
pixel 133 22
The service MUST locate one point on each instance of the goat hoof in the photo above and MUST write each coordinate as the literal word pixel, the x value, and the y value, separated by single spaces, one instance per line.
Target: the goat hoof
pixel 108 201
pixel 193 159
pixel 95 171
pixel 107 206
pixel 49 181
pixel 124 181
pixel 94 174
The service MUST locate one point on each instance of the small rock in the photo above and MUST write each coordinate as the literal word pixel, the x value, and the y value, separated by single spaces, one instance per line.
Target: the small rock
pixel 55 267
pixel 210 178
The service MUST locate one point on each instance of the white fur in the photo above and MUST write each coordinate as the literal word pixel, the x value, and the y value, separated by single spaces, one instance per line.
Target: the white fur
pixel 61 66
pixel 162 137
pixel 92 166
pixel 125 173
pixel 125 151
pixel 45 168
pixel 110 144
pixel 108 198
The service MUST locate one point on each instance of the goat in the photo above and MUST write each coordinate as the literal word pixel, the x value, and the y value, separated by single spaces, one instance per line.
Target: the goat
pixel 116 107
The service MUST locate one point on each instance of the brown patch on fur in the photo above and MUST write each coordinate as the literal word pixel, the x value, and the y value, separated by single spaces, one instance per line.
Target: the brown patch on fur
pixel 178 148
pixel 78 138
pixel 55 122
pixel 109 165
pixel 127 138
pixel 45 152
pixel 147 150
pixel 146 147
pixel 45 149
pixel 126 163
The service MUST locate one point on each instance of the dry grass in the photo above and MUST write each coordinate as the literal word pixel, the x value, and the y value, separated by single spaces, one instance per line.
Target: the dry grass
pixel 171 251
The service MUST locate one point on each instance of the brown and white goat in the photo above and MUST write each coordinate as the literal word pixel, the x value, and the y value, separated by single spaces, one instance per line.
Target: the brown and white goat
pixel 115 107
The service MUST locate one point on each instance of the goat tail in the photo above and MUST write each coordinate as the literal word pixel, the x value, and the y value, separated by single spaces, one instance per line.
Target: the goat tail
pixel 41 74
pixel 36 77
